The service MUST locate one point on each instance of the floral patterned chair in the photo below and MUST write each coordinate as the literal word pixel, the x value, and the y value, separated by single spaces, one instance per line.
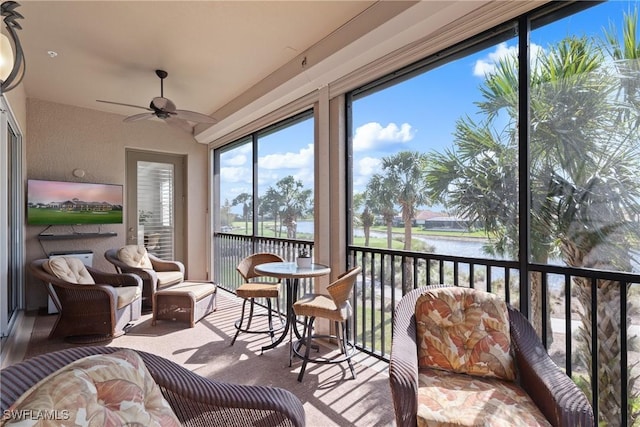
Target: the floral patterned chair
pixel 119 386
pixel 461 356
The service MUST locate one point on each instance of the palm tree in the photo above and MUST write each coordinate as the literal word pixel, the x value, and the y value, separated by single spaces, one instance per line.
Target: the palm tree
pixel 406 172
pixel 246 201
pixel 367 219
pixel 380 194
pixel 270 204
pixel 626 56
pixel 296 203
pixel 584 156
pixel 226 216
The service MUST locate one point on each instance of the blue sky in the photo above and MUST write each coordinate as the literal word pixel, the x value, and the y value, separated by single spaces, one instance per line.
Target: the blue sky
pixel 418 114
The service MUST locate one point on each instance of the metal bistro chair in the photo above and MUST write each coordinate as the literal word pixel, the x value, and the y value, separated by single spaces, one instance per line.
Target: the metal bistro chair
pixel 256 286
pixel 335 307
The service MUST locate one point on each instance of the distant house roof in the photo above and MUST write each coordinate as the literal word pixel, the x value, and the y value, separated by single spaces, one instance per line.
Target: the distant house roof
pixel 446 218
pixel 425 215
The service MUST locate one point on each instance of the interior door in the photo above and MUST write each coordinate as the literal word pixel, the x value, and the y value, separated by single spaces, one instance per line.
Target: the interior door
pixel 155 203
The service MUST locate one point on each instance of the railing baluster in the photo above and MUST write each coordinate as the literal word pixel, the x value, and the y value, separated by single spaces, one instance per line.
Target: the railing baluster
pixel 507 285
pixel 388 269
pixel 545 307
pixel 624 398
pixel 594 346
pixel 567 324
pixel 456 274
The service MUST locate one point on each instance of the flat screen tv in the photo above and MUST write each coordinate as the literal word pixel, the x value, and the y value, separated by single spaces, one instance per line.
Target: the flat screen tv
pixel 73 203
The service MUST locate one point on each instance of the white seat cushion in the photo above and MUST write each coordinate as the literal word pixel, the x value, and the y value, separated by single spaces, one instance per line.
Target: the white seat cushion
pixel 69 269
pixel 135 256
pixel 127 295
pixel 168 278
pixel 196 290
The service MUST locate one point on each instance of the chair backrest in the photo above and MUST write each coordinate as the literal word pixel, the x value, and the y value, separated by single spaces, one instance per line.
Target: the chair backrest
pixel 153 242
pixel 464 330
pixel 341 288
pixel 246 267
pixel 135 256
pixel 68 269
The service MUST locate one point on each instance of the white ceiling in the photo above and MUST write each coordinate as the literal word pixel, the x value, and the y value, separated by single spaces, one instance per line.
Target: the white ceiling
pixel 212 50
pixel 219 54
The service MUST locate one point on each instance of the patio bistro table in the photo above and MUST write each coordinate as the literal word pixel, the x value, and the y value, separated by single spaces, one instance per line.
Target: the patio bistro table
pixel 292 274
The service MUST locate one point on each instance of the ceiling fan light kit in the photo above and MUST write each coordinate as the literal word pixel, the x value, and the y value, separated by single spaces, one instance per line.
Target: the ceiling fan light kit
pixel 163 108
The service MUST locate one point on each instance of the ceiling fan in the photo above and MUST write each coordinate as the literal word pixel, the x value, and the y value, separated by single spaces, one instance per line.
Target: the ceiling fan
pixel 163 108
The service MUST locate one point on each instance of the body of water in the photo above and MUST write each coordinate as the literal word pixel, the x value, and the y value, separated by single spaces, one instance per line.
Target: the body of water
pixel 469 247
pixel 455 246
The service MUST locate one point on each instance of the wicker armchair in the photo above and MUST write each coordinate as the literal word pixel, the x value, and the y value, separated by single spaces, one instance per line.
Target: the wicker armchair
pixel 91 312
pixel 162 273
pixel 335 307
pixel 553 392
pixel 196 400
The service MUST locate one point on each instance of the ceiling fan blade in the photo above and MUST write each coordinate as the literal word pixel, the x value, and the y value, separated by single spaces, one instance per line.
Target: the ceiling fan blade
pixel 126 105
pixel 192 116
pixel 137 117
pixel 179 123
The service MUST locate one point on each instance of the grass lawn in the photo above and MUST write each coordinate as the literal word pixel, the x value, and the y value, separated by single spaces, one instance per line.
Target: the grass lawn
pixel 41 216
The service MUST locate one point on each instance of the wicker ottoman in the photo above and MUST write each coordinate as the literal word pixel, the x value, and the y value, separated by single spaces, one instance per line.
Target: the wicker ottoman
pixel 188 301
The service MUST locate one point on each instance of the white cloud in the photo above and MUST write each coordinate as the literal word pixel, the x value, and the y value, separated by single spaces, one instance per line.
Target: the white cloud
pixel 362 171
pixel 372 135
pixel 268 177
pixel 305 176
pixel 235 174
pixel 300 165
pixel 237 156
pixel 301 159
pixel 487 65
pixel 536 52
pixel 237 160
pixel 368 166
pixel 359 183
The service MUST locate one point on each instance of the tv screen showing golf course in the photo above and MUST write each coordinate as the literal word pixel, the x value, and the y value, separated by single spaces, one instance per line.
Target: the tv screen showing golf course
pixel 73 203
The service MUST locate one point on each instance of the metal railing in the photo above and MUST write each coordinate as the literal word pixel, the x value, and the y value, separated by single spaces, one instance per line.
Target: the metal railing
pixel 230 249
pixel 567 305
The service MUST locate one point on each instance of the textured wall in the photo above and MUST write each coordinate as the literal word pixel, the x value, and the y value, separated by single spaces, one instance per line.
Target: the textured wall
pixel 62 138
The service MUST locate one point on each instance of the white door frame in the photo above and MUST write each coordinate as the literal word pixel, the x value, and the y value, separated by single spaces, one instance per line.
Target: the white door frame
pixel 179 162
pixel 7 120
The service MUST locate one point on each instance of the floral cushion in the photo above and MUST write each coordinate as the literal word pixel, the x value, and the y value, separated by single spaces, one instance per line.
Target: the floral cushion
pixel 450 399
pixel 464 330
pixel 102 390
pixel 135 256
